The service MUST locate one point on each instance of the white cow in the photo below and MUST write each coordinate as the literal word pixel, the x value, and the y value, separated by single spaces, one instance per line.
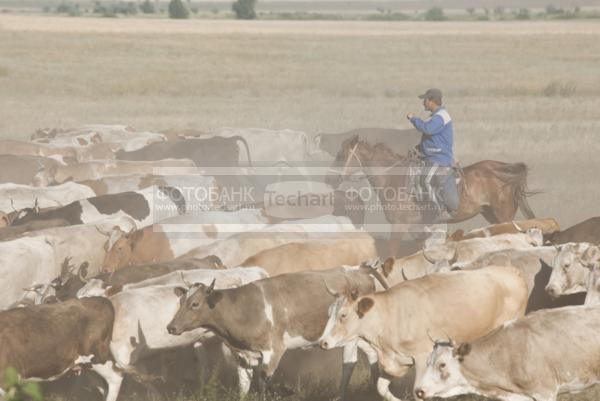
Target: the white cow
pixel 24 262
pixel 81 243
pixel 173 237
pixel 237 248
pixel 16 196
pixel 125 137
pixel 456 254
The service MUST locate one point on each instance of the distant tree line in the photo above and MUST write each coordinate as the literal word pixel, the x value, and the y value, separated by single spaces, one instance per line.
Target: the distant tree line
pixel 246 9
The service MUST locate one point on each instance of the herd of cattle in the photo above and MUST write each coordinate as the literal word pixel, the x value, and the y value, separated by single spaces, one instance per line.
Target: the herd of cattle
pixel 93 282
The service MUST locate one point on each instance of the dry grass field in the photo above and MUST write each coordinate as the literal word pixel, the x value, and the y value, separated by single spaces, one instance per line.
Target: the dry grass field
pixel 517 91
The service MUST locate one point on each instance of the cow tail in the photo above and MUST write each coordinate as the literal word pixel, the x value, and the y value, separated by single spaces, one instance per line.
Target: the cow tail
pixel 243 140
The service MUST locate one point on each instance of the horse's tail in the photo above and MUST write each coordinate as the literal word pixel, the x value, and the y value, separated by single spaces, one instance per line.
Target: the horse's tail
pixel 515 176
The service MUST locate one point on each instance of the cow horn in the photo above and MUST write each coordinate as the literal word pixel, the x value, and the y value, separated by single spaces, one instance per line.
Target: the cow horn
pixel 403 275
pixel 106 233
pixel 211 287
pixel 454 258
pixel 519 229
pixel 375 273
pixel 185 282
pixel 430 337
pixel 329 290
pixel 12 204
pixel 433 262
pixel 449 339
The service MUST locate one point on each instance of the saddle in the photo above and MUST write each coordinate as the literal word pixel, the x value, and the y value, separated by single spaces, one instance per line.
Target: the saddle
pixel 417 170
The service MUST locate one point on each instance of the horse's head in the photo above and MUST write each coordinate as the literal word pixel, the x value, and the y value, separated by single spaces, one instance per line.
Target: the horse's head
pixel 347 161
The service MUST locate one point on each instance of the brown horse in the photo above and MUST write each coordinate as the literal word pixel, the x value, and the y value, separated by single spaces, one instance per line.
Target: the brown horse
pixel 493 189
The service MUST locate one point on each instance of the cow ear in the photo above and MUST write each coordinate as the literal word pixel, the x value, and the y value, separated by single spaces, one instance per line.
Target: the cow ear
pixel 457 235
pixel 180 291
pixel 364 306
pixel 463 350
pixel 83 269
pixel 113 289
pixel 591 255
pixel 5 220
pixel 213 299
pixel 388 266
pixel 134 234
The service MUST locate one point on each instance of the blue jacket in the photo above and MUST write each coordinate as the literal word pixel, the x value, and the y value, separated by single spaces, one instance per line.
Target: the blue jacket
pixel 438 136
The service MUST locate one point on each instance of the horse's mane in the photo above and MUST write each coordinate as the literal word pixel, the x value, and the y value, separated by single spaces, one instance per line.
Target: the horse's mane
pixel 386 151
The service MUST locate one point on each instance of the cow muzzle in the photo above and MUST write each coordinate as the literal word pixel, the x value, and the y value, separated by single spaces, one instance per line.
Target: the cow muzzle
pixel 173 330
pixel 326 345
pixel 552 291
pixel 420 394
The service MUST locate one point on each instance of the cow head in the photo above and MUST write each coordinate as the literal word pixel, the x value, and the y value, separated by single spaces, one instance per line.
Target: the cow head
pixel 346 315
pixel 119 247
pixel 195 306
pixel 442 263
pixel 536 236
pixel 443 376
pixel 36 295
pixel 94 287
pixel 71 279
pixel 571 268
pixel 45 176
pixel 98 151
pixel 25 215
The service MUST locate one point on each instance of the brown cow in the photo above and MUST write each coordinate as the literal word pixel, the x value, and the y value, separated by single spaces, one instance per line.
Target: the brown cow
pixel 22 169
pixel 214 151
pixel 97 169
pixel 586 231
pixel 314 255
pixel 397 322
pixel 547 226
pixel 23 148
pixel 46 341
pixel 261 320
pixel 72 279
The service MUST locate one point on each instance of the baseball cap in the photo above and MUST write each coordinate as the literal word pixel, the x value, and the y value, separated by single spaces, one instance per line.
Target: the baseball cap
pixel 432 94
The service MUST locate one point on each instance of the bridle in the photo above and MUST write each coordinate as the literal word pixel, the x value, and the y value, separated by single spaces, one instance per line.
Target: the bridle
pixel 352 154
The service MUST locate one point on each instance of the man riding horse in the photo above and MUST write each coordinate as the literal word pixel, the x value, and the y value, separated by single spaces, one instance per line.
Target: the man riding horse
pixel 435 150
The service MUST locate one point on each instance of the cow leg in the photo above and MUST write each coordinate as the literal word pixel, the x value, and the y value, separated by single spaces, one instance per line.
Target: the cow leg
pixel 350 358
pixel 383 388
pixel 112 378
pixel 244 380
pixel 372 358
pixel 270 361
